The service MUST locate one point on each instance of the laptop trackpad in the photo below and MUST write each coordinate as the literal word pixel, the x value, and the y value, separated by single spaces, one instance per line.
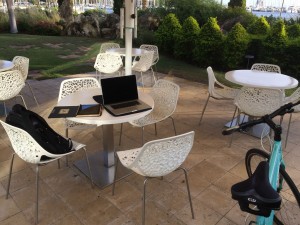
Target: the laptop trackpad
pixel 125 105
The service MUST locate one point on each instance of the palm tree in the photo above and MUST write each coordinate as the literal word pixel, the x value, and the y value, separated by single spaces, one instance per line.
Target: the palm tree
pixel 11 15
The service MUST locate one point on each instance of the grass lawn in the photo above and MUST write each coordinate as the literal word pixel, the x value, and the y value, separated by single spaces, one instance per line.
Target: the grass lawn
pixel 56 56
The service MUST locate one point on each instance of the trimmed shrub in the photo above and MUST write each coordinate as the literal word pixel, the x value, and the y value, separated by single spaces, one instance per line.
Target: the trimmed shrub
pixel 259 27
pixel 28 18
pixel 293 31
pixel 4 22
pixel 290 62
pixel 167 33
pixel 186 39
pixel 237 3
pixel 209 44
pixel 46 28
pixel 275 43
pixel 236 44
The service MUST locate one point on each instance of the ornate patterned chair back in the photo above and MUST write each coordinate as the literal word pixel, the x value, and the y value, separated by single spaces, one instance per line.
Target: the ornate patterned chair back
pixel 70 86
pixel 144 63
pixel 153 48
pixel 11 84
pixel 266 67
pixel 165 95
pixel 160 157
pixel 108 63
pixel 21 63
pixel 25 146
pixel 257 101
pixel 108 45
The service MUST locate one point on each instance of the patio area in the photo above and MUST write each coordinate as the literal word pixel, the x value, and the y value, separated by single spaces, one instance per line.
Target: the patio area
pixel 66 196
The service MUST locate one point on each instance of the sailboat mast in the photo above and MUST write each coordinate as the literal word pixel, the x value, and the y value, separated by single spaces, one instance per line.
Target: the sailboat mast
pixel 281 8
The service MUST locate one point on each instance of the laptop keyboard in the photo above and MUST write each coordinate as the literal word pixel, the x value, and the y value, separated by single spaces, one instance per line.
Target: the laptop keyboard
pixel 125 104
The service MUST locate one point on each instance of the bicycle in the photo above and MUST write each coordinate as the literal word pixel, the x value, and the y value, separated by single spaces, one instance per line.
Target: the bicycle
pixel 265 193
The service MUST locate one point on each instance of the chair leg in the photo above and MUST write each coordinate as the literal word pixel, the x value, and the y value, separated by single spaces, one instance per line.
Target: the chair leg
pixel 120 137
pixel 5 110
pixel 144 202
pixel 37 195
pixel 288 131
pixel 89 167
pixel 115 175
pixel 9 175
pixel 155 127
pixel 204 108
pixel 173 125
pixel 143 140
pixel 238 122
pixel 142 81
pixel 67 136
pixel 154 78
pixel 189 192
pixel 233 116
pixel 29 86
pixel 22 100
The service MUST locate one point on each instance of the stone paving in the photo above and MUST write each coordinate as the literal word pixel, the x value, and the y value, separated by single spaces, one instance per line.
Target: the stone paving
pixel 66 196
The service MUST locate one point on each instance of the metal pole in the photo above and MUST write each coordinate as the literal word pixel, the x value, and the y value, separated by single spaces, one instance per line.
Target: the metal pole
pixel 129 25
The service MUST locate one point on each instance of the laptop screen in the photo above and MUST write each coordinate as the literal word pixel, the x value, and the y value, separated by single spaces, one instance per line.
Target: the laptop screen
pixel 119 89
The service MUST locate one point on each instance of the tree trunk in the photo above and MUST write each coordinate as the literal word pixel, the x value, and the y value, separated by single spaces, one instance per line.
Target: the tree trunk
pixel 144 4
pixel 12 18
pixel 66 10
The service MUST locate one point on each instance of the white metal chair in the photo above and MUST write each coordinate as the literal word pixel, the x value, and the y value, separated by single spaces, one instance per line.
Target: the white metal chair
pixel 21 63
pixel 153 48
pixel 108 45
pixel 165 95
pixel 158 158
pixel 108 63
pixel 266 67
pixel 144 64
pixel 217 90
pixel 10 86
pixel 30 151
pixel 257 102
pixel 294 97
pixel 70 86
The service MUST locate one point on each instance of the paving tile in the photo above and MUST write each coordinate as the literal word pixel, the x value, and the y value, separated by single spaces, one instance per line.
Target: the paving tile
pixel 66 196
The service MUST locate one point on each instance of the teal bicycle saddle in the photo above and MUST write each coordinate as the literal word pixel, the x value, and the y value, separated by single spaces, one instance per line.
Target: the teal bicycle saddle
pixel 256 195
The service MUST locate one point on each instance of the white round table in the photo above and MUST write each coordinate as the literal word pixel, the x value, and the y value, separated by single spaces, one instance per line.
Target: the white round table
pixel 102 163
pixel 6 65
pixel 261 79
pixel 121 51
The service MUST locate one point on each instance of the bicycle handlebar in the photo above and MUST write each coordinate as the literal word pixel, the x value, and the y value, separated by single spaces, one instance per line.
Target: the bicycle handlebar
pixel 287 108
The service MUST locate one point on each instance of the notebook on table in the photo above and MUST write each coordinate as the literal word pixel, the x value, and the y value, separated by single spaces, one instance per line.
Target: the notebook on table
pixel 120 96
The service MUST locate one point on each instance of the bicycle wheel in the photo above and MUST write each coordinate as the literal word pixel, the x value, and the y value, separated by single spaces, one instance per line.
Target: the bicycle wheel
pixel 289 212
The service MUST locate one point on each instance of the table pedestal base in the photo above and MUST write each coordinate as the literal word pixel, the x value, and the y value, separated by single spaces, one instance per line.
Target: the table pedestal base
pixel 102 176
pixel 258 131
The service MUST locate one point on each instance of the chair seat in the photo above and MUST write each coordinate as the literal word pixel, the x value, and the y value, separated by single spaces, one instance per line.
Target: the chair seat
pixel 77 126
pixel 154 117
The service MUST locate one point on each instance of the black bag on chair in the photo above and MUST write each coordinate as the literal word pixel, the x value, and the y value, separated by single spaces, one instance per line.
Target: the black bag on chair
pixel 39 129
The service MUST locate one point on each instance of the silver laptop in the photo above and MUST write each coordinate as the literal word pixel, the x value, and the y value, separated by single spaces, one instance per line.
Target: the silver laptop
pixel 120 96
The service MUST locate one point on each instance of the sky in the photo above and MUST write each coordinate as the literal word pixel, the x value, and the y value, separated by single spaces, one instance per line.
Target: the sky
pixel 277 3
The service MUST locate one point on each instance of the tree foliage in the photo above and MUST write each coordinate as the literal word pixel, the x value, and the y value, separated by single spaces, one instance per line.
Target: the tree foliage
pixel 259 27
pixel 186 39
pixel 209 44
pixel 235 46
pixel 278 35
pixel 117 5
pixel 167 33
pixel 293 31
pixel 237 3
